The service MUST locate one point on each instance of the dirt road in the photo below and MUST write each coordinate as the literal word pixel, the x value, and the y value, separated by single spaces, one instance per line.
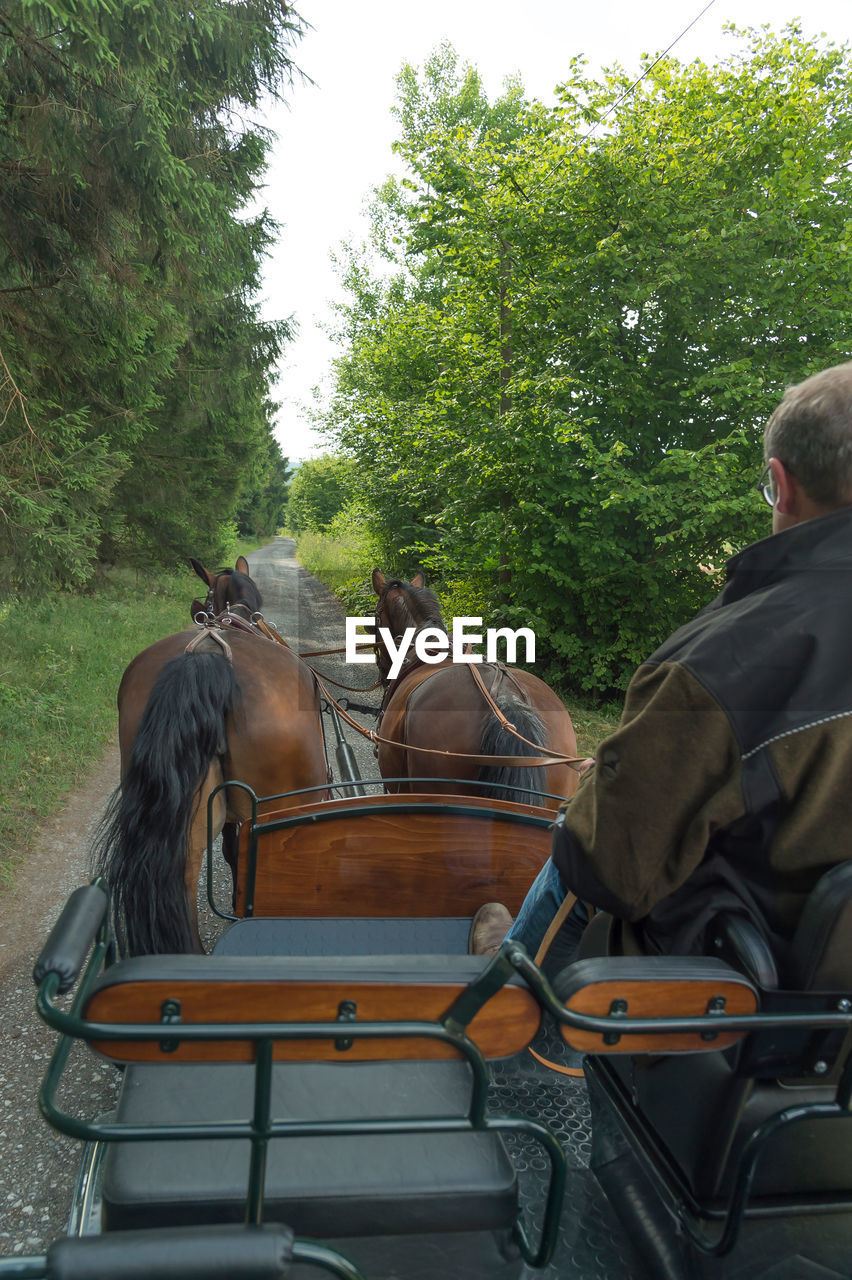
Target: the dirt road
pixel 38 1166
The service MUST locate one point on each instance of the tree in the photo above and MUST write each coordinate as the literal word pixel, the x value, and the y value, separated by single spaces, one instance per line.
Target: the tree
pixel 320 489
pixel 135 370
pixel 261 512
pixel 562 382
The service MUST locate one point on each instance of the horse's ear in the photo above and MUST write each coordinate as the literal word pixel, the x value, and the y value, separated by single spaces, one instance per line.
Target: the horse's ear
pixel 242 566
pixel 379 581
pixel 202 572
pixel 419 579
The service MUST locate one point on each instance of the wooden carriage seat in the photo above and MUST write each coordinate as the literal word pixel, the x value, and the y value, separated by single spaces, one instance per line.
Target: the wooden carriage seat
pixel 396 1199
pixel 406 871
pixel 703 1108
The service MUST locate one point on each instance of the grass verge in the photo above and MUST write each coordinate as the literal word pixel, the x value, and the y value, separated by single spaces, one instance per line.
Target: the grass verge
pixel 62 661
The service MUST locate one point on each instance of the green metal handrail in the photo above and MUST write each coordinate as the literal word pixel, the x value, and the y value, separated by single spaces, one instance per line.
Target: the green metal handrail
pixel 262 1128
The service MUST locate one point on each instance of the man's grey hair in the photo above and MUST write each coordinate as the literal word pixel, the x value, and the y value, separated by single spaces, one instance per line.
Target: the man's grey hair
pixel 811 433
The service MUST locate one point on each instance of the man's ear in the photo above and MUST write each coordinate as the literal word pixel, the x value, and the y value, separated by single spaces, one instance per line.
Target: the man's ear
pixel 786 489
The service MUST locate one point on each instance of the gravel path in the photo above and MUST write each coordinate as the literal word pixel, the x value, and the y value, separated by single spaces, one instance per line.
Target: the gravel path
pixel 38 1166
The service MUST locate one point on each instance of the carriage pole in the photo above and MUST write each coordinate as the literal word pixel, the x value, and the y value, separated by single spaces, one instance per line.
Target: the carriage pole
pixel 345 756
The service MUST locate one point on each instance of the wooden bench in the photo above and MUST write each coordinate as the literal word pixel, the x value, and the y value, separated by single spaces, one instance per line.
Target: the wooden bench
pixel 344 1096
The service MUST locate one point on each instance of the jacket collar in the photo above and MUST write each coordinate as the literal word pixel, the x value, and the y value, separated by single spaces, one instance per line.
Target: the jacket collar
pixel 821 542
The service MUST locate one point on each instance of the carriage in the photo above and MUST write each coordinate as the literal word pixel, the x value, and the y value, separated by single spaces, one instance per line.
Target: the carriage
pixel 339 1086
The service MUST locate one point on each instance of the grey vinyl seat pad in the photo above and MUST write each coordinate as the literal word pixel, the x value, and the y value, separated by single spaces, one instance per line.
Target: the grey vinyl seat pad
pixel 321 1186
pixel 335 935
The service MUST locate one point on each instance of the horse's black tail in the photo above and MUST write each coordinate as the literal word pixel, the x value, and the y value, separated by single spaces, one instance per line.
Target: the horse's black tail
pixel 141 845
pixel 497 741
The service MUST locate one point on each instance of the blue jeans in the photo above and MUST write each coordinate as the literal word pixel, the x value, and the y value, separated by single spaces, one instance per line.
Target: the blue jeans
pixel 544 898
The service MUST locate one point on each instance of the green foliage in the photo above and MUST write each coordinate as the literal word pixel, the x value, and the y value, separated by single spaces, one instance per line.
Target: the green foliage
pixel 261 510
pixel 554 388
pixel 135 369
pixel 318 491
pixel 344 557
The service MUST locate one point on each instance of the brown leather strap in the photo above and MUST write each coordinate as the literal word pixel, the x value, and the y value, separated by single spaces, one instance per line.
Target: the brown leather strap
pixel 510 728
pixel 210 633
pixel 565 908
pixel 556 1066
pixel 272 633
pixel 350 688
pixel 502 761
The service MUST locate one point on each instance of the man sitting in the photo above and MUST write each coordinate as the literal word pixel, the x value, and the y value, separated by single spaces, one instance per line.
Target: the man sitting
pixel 727 782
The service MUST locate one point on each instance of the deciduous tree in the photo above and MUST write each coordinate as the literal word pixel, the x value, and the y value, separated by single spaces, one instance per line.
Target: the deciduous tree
pixel 560 375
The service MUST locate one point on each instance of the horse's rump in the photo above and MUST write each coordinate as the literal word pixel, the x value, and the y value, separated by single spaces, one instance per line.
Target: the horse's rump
pixel 442 710
pixel 188 722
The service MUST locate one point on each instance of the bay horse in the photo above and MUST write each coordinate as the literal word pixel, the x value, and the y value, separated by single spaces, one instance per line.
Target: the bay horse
pixel 440 707
pixel 236 706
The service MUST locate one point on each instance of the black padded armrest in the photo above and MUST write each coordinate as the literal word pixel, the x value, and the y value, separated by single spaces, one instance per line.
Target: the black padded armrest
pixel 175 1253
pixel 71 937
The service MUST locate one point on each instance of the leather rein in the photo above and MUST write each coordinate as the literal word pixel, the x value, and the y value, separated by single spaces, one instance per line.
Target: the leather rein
pixel 213 624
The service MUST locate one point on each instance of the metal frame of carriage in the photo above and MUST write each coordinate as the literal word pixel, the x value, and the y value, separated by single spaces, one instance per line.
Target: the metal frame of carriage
pixel 693 1005
pixel 280 998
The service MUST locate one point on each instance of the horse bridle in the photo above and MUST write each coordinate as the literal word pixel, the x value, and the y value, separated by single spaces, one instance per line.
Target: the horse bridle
pixel 209 604
pixel 383 661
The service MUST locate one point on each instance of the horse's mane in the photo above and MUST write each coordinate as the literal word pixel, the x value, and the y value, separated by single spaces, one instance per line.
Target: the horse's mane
pixel 420 605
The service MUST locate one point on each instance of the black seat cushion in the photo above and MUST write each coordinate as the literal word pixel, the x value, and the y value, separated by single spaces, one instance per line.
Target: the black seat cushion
pixel 704 1112
pixel 321 1186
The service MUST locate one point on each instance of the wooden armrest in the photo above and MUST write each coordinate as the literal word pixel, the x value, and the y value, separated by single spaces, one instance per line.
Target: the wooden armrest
pixel 652 987
pixel 251 991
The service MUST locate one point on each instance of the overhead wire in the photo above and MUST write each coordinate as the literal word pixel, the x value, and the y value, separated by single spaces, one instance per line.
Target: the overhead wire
pixel 613 106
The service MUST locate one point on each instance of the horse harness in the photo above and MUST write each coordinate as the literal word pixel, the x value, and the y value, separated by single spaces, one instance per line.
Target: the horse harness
pixel 213 625
pixel 414 663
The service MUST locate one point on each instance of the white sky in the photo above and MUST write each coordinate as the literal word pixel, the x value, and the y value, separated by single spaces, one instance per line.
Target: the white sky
pixel 334 137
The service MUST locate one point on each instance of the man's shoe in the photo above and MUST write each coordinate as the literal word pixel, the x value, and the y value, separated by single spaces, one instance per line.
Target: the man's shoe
pixel 488 928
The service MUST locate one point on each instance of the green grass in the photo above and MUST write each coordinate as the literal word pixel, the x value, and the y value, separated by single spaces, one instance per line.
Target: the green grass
pixel 61 661
pixel 343 563
pixel 592 723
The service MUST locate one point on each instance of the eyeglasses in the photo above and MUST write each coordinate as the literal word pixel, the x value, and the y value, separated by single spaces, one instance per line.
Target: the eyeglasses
pixel 766 486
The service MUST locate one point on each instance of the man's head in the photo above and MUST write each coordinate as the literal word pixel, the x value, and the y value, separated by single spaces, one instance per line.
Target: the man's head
pixel 808 448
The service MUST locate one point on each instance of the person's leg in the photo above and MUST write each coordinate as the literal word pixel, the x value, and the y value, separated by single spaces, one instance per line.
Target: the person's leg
pixel 545 896
pixel 563 949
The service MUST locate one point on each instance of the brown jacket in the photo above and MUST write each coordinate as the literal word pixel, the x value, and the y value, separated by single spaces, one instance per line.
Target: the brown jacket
pixel 729 779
